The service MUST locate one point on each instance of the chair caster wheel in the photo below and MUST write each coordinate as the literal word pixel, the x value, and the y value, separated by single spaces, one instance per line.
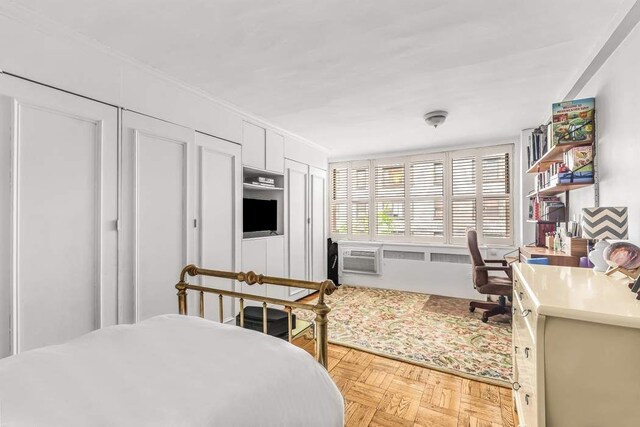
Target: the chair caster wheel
pixel 485 319
pixel 472 309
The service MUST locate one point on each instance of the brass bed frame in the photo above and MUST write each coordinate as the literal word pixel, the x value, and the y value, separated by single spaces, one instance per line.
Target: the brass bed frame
pixel 319 308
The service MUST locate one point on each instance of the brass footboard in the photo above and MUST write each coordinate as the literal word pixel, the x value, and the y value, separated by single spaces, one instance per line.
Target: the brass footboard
pixel 319 308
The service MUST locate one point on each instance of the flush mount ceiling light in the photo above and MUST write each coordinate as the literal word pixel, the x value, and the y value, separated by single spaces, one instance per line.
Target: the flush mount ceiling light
pixel 435 118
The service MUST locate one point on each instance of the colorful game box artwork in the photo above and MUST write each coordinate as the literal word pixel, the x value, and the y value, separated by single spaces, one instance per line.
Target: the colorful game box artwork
pixel 573 121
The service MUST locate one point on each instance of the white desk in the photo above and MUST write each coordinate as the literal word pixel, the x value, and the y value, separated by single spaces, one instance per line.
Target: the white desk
pixel 576 343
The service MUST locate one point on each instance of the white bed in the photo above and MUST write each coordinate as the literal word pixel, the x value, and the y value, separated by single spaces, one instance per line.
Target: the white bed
pixel 169 370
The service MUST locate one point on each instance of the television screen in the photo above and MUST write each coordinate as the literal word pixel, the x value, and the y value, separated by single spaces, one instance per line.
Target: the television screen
pixel 259 215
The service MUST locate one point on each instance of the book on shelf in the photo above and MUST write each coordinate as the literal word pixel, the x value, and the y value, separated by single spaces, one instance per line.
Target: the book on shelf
pixel 538 144
pixel 573 121
pixel 579 159
pixel 549 208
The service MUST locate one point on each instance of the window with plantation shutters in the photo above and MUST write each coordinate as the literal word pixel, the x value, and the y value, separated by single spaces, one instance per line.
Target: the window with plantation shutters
pixel 389 199
pixel 360 200
pixel 425 198
pixel 496 197
pixel 463 195
pixel 339 189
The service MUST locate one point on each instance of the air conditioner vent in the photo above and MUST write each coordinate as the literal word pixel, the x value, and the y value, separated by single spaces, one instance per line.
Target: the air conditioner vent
pixel 362 261
pixel 450 258
pixel 367 254
pixel 406 255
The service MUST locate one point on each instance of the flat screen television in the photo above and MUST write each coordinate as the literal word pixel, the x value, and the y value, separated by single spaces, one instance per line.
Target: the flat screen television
pixel 259 215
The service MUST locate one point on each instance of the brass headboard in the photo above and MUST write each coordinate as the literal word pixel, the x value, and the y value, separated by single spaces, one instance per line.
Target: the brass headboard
pixel 319 308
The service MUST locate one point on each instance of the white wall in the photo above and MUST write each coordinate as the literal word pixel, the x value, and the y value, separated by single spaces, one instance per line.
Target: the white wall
pixel 616 87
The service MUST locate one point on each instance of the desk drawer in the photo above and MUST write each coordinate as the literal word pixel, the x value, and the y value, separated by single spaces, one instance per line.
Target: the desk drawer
pixel 525 387
pixel 524 314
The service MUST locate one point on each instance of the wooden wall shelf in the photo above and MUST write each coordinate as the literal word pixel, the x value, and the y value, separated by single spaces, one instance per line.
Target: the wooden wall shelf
pixel 559 189
pixel 554 155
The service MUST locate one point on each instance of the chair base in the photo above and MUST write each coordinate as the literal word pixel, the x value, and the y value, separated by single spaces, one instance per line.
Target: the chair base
pixel 492 308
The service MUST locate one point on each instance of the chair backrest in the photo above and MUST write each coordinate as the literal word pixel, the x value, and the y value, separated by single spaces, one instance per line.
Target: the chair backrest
pixel 480 278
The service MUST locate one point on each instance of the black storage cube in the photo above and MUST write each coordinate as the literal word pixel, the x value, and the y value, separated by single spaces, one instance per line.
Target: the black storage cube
pixel 277 321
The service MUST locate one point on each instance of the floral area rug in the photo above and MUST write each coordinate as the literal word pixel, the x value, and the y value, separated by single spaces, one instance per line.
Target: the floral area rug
pixel 433 331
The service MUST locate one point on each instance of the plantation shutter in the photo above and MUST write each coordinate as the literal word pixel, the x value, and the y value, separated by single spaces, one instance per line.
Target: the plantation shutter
pixel 339 192
pixel 463 196
pixel 389 199
pixel 360 199
pixel 496 197
pixel 426 190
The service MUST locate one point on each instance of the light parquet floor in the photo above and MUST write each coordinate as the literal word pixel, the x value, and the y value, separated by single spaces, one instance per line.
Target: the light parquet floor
pixel 381 392
pixel 385 392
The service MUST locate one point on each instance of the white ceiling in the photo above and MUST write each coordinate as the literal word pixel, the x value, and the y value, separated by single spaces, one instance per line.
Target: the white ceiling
pixel 357 76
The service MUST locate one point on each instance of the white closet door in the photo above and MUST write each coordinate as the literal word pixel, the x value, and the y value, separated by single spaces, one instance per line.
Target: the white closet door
pixel 58 274
pixel 297 181
pixel 157 218
pixel 219 217
pixel 318 244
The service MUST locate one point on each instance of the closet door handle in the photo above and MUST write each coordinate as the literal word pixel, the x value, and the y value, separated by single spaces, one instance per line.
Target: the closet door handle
pixel 526 399
pixel 526 352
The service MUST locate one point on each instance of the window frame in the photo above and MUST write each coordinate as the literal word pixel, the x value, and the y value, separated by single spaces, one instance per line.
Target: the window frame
pixel 446 157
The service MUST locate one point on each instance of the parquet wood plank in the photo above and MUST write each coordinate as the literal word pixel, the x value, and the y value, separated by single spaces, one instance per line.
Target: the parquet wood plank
pixel 357 415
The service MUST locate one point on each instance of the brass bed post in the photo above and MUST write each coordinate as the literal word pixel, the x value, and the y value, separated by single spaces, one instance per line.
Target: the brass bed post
pixel 182 297
pixel 321 310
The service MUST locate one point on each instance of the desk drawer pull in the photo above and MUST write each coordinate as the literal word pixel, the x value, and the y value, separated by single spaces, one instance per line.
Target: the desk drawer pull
pixel 526 352
pixel 526 399
pixel 526 312
pixel 516 386
pixel 521 295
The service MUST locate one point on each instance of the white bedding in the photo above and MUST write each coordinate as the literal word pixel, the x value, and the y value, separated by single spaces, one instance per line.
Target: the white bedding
pixel 168 371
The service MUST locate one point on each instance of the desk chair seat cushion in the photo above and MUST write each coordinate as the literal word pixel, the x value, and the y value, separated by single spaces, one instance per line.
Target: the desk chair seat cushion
pixel 496 286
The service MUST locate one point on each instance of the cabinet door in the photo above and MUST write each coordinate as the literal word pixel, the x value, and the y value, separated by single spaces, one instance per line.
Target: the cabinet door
pixel 157 218
pixel 218 236
pixel 317 245
pixel 275 152
pixel 297 180
pixel 275 266
pixel 254 258
pixel 253 146
pixel 58 212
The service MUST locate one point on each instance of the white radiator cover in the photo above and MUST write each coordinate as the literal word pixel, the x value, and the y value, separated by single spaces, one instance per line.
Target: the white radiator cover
pixel 425 268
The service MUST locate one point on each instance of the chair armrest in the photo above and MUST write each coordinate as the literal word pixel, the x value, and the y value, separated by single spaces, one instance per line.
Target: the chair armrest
pixel 493 268
pixel 496 261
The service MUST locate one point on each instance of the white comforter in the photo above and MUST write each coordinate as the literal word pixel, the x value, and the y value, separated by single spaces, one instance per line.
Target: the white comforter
pixel 168 371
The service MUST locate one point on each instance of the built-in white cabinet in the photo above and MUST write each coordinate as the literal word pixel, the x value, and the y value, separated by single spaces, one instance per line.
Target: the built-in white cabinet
pixel 262 149
pixel 101 208
pixel 157 214
pixel 304 224
pixel 58 212
pixel 181 204
pixel 274 152
pixel 217 218
pixel 263 255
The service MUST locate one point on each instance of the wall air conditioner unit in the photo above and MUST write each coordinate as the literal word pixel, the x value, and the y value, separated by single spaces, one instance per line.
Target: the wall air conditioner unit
pixel 360 260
